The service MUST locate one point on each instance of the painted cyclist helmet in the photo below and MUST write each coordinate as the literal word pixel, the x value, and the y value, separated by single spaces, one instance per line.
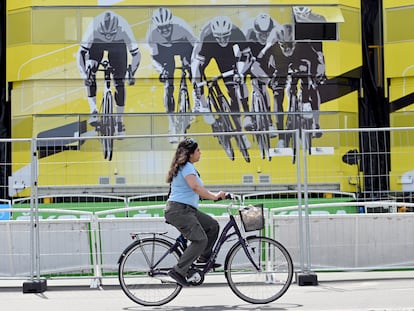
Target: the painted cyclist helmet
pixel 162 17
pixel 301 11
pixel 109 26
pixel 285 39
pixel 263 23
pixel 221 26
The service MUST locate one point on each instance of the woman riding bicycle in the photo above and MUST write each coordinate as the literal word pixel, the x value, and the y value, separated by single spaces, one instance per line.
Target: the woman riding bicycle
pixel 181 211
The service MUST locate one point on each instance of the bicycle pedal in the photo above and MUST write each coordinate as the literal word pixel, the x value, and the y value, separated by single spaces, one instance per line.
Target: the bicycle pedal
pixel 196 277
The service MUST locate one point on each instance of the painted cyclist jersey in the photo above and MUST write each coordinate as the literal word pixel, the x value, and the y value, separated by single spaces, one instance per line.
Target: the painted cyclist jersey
pixel 123 34
pixel 180 33
pixel 208 48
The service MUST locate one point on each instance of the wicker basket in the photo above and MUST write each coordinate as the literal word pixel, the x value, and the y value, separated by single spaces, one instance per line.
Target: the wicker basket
pixel 252 217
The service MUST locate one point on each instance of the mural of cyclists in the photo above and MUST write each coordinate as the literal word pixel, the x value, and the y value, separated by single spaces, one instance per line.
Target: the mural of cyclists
pixel 219 40
pixel 261 51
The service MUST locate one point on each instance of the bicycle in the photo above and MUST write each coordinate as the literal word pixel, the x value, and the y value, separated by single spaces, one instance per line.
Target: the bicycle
pixel 182 119
pixel 106 120
pixel 223 122
pixel 261 119
pixel 258 269
pixel 301 86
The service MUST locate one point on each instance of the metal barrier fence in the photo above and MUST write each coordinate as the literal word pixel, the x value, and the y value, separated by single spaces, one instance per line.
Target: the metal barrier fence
pixel 80 241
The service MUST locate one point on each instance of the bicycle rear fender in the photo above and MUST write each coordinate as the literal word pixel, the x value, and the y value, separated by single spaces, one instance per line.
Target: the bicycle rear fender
pixel 133 244
pixel 127 249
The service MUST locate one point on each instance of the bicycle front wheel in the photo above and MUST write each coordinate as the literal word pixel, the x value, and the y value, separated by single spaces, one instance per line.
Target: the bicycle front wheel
pixel 183 119
pixel 142 272
pixel 266 282
pixel 107 125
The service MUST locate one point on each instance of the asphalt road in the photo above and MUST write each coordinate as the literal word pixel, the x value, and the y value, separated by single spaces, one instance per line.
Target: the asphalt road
pixel 363 291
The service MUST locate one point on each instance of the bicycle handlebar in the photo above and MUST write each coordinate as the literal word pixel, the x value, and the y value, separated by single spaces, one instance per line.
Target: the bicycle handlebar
pixel 229 196
pixel 213 79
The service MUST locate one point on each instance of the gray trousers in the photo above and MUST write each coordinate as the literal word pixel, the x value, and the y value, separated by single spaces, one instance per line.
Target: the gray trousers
pixel 199 228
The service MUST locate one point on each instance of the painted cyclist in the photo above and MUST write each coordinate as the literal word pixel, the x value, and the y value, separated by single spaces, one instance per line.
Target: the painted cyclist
pixel 217 40
pixel 169 36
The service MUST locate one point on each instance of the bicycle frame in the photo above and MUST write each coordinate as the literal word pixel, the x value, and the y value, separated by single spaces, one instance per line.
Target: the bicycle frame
pixel 224 236
pixel 180 244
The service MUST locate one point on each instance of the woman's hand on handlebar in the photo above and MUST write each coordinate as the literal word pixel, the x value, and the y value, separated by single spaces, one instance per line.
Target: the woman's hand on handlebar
pixel 220 196
pixel 223 196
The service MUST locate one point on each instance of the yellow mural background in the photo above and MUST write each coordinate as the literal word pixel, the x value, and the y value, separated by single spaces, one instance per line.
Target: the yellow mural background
pixel 48 92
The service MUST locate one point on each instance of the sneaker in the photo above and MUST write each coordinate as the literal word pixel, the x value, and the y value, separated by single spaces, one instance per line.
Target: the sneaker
pixel 246 142
pixel 120 129
pixel 248 123
pixel 93 119
pixel 281 144
pixel 181 280
pixel 273 133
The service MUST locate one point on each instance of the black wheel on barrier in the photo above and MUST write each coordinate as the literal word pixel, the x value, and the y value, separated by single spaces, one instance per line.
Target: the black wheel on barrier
pixel 142 272
pixel 263 285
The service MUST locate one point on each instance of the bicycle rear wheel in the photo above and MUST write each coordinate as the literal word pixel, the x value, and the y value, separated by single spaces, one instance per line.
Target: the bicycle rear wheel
pixel 142 272
pixel 107 125
pixel 268 283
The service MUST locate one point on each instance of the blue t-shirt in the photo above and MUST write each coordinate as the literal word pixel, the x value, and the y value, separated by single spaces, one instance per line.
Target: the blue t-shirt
pixel 180 190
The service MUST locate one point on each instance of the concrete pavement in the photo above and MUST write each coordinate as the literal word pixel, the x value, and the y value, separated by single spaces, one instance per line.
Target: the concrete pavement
pixel 361 291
